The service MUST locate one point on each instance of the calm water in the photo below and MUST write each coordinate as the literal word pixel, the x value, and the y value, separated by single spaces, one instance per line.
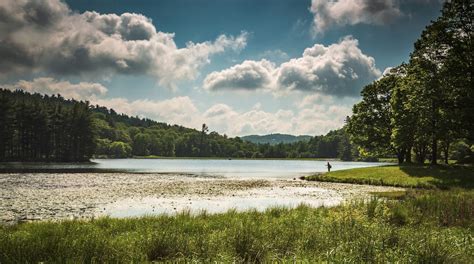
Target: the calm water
pixel 208 167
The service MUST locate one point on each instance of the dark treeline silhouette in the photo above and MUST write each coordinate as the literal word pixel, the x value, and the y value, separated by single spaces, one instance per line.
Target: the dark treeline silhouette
pixel 44 128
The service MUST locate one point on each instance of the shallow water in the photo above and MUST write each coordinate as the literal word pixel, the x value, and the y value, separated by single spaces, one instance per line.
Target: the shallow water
pixel 157 186
pixel 257 199
pixel 203 167
pixel 229 168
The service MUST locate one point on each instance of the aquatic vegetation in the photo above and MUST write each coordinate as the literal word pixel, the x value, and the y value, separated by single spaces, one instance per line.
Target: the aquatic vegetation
pixel 419 227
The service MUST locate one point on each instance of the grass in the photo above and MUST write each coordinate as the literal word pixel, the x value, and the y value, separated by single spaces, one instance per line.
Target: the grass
pixel 417 225
pixel 422 227
pixel 404 176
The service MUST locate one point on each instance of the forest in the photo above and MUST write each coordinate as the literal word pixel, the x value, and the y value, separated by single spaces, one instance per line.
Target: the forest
pixel 424 109
pixel 38 127
pixel 120 136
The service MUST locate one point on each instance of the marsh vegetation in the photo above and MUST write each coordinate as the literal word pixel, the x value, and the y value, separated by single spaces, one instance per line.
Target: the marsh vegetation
pixel 422 227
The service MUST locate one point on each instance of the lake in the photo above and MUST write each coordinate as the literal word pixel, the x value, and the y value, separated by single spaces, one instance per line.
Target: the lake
pixel 203 167
pixel 36 191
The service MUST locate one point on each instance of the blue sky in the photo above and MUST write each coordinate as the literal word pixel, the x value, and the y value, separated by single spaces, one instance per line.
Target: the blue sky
pixel 254 67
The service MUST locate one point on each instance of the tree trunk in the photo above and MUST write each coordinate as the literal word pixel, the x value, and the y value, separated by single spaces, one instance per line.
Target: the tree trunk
pixel 434 152
pixel 421 154
pixel 446 153
pixel 400 156
pixel 408 156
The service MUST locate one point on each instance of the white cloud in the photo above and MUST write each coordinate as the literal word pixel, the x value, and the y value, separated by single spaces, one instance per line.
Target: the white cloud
pixel 177 110
pixel 249 75
pixel 335 13
pixel 312 120
pixel 314 99
pixel 50 86
pixel 340 69
pixel 276 55
pixel 48 36
pixel 314 114
pixel 218 110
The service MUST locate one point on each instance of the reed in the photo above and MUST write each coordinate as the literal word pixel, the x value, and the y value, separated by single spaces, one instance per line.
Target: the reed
pixel 421 226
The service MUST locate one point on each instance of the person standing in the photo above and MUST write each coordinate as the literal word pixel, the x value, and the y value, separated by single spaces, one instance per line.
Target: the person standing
pixel 329 167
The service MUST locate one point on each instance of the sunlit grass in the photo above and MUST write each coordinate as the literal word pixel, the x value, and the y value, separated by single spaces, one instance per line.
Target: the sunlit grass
pixel 404 176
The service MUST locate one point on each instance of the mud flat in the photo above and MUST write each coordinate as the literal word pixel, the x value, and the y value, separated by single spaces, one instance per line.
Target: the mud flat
pixel 55 196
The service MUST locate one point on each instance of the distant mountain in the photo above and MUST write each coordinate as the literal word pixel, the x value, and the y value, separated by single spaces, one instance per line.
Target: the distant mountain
pixel 274 139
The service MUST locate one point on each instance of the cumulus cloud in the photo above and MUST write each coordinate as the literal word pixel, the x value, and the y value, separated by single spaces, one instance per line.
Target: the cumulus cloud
pixel 340 69
pixel 177 110
pixel 249 75
pixel 334 13
pixel 276 55
pixel 45 35
pixel 311 119
pixel 315 99
pixel 50 86
pixel 314 114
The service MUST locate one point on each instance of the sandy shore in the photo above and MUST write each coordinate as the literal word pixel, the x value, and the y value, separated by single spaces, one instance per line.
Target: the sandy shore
pixel 38 196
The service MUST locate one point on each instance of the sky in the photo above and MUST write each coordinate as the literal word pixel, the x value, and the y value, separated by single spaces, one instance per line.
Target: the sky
pixel 240 66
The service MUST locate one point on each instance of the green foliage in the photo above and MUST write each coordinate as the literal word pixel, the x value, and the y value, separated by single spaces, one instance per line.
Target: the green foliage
pixel 423 107
pixel 120 149
pixel 462 152
pixel 369 125
pixel 150 138
pixel 43 128
pixel 399 215
pixel 425 227
pixel 142 144
pixel 414 176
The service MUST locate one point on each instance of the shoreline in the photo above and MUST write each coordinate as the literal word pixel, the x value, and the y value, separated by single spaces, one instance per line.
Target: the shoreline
pixel 381 160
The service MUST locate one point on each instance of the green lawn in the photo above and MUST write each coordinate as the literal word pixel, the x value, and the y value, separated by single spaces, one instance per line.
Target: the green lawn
pixel 404 176
pixel 427 227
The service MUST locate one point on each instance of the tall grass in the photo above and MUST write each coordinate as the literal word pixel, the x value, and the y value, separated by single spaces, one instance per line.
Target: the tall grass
pixel 432 226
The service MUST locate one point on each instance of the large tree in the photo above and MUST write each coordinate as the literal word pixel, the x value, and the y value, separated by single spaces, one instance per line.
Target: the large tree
pixel 426 105
pixel 370 126
pixel 443 60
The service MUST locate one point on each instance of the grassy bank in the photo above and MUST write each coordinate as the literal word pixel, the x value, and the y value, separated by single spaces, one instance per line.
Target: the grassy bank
pixel 427 227
pixel 404 176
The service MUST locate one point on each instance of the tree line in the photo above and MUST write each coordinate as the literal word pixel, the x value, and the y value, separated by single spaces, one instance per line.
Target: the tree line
pixel 121 136
pixel 36 127
pixel 420 110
